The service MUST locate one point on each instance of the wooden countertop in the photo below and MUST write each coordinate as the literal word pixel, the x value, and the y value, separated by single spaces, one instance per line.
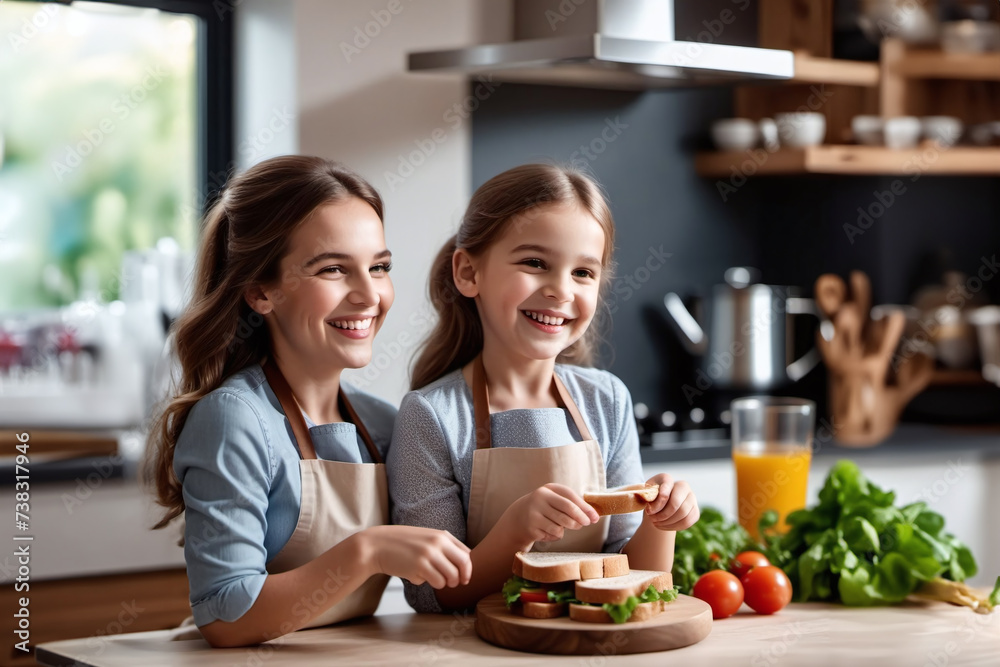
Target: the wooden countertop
pixel 915 633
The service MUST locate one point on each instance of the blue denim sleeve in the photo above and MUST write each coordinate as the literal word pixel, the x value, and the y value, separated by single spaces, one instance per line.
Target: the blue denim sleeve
pixel 223 462
pixel 624 466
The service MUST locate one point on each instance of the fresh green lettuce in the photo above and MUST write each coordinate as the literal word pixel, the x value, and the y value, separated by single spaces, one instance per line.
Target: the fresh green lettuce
pixel 621 612
pixel 512 589
pixel 857 547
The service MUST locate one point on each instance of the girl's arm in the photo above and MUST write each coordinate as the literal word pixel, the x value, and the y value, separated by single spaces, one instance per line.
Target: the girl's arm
pixel 540 516
pixel 287 601
pixel 425 492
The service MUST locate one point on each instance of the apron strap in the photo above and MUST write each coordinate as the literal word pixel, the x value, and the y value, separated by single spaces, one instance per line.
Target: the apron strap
pixel 481 405
pixel 284 393
pixel 358 424
pixel 570 406
pixel 294 414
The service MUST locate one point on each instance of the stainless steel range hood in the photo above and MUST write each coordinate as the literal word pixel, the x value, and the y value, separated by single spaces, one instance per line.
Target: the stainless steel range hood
pixel 626 44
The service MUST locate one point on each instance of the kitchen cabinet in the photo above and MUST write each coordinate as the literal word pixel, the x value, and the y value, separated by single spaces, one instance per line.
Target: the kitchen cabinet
pixel 95 566
pixel 914 633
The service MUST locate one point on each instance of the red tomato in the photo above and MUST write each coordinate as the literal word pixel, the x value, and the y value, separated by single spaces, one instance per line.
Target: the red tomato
pixel 767 589
pixel 534 596
pixel 721 590
pixel 746 561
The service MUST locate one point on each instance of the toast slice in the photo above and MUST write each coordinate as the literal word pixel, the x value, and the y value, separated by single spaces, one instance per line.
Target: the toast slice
pixel 617 590
pixel 554 567
pixel 623 500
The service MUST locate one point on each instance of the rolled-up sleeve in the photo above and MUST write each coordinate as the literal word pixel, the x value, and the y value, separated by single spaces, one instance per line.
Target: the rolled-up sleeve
pixel 223 462
pixel 624 466
pixel 422 483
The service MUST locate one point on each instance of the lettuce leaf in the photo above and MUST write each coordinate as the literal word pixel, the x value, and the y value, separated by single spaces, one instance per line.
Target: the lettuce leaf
pixel 512 588
pixel 855 546
pixel 620 613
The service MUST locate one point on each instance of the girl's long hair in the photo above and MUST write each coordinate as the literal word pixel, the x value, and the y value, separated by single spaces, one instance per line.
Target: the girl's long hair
pixel 502 201
pixel 244 238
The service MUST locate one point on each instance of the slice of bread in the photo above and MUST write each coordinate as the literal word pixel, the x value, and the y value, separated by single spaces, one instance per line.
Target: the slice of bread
pixel 632 498
pixel 552 567
pixel 543 609
pixel 591 614
pixel 616 590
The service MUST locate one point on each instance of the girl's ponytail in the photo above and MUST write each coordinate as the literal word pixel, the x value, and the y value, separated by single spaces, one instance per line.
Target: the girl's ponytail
pixel 458 336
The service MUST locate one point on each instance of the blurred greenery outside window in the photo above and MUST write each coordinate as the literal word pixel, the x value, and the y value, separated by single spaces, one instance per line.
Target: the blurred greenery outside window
pixel 98 145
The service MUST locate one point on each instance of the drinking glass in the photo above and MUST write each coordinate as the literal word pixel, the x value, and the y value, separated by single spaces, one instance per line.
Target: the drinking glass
pixel 772 449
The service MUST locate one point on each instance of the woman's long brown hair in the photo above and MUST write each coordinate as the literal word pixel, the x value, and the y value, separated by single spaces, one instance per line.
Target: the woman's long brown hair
pixel 505 200
pixel 244 238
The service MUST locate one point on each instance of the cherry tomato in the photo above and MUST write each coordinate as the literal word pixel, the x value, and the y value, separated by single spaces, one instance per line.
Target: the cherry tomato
pixel 721 590
pixel 767 589
pixel 746 561
pixel 534 596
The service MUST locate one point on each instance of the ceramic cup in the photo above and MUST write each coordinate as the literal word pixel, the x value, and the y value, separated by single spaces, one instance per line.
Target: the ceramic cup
pixel 734 134
pixel 946 130
pixel 768 134
pixel 867 130
pixel 901 132
pixel 801 128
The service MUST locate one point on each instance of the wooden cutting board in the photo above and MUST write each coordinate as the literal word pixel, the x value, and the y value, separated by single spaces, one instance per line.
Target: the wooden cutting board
pixel 685 621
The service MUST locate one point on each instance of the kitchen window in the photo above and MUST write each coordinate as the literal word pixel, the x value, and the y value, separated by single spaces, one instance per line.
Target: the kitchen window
pixel 115 130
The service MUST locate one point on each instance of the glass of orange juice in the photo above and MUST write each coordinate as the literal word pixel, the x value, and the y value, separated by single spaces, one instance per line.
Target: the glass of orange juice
pixel 772 449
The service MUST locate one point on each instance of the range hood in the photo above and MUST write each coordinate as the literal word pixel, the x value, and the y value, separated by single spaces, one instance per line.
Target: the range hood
pixel 627 44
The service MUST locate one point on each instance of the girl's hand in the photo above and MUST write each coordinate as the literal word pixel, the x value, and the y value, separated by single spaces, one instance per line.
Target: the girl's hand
pixel 545 513
pixel 675 507
pixel 419 555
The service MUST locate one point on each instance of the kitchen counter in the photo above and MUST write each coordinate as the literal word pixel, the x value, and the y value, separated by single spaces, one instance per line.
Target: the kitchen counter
pixel 915 633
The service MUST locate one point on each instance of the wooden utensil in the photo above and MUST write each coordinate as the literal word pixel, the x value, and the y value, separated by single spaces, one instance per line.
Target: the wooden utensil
pixel 685 621
pixel 865 402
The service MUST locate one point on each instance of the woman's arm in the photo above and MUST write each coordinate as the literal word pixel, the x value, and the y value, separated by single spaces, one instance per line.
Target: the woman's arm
pixel 286 601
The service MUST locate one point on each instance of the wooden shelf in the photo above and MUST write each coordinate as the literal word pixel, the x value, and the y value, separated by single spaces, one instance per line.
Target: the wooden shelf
pixel 944 377
pixel 809 69
pixel 927 64
pixel 833 159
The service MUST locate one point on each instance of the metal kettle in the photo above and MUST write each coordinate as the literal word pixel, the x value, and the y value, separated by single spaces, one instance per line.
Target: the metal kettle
pixel 749 340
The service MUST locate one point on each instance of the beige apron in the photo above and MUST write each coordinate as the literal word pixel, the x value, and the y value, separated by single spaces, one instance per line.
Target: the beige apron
pixel 338 500
pixel 502 475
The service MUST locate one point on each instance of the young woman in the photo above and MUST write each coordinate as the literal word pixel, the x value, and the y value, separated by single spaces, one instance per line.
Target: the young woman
pixel 508 427
pixel 275 465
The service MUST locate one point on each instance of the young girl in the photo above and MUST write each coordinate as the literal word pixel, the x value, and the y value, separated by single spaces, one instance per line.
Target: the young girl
pixel 501 440
pixel 275 465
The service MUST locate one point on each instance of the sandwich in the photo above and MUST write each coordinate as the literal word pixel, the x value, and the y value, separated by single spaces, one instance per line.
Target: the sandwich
pixel 632 498
pixel 543 583
pixel 636 596
pixel 591 588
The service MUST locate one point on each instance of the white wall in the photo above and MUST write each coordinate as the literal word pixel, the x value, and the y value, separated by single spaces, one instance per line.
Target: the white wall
pixel 266 98
pixel 358 105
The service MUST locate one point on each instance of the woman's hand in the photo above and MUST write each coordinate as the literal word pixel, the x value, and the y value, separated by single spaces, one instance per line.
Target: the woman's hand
pixel 675 507
pixel 544 514
pixel 418 555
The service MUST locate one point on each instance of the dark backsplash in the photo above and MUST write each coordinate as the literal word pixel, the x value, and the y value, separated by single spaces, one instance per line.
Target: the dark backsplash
pixel 792 228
